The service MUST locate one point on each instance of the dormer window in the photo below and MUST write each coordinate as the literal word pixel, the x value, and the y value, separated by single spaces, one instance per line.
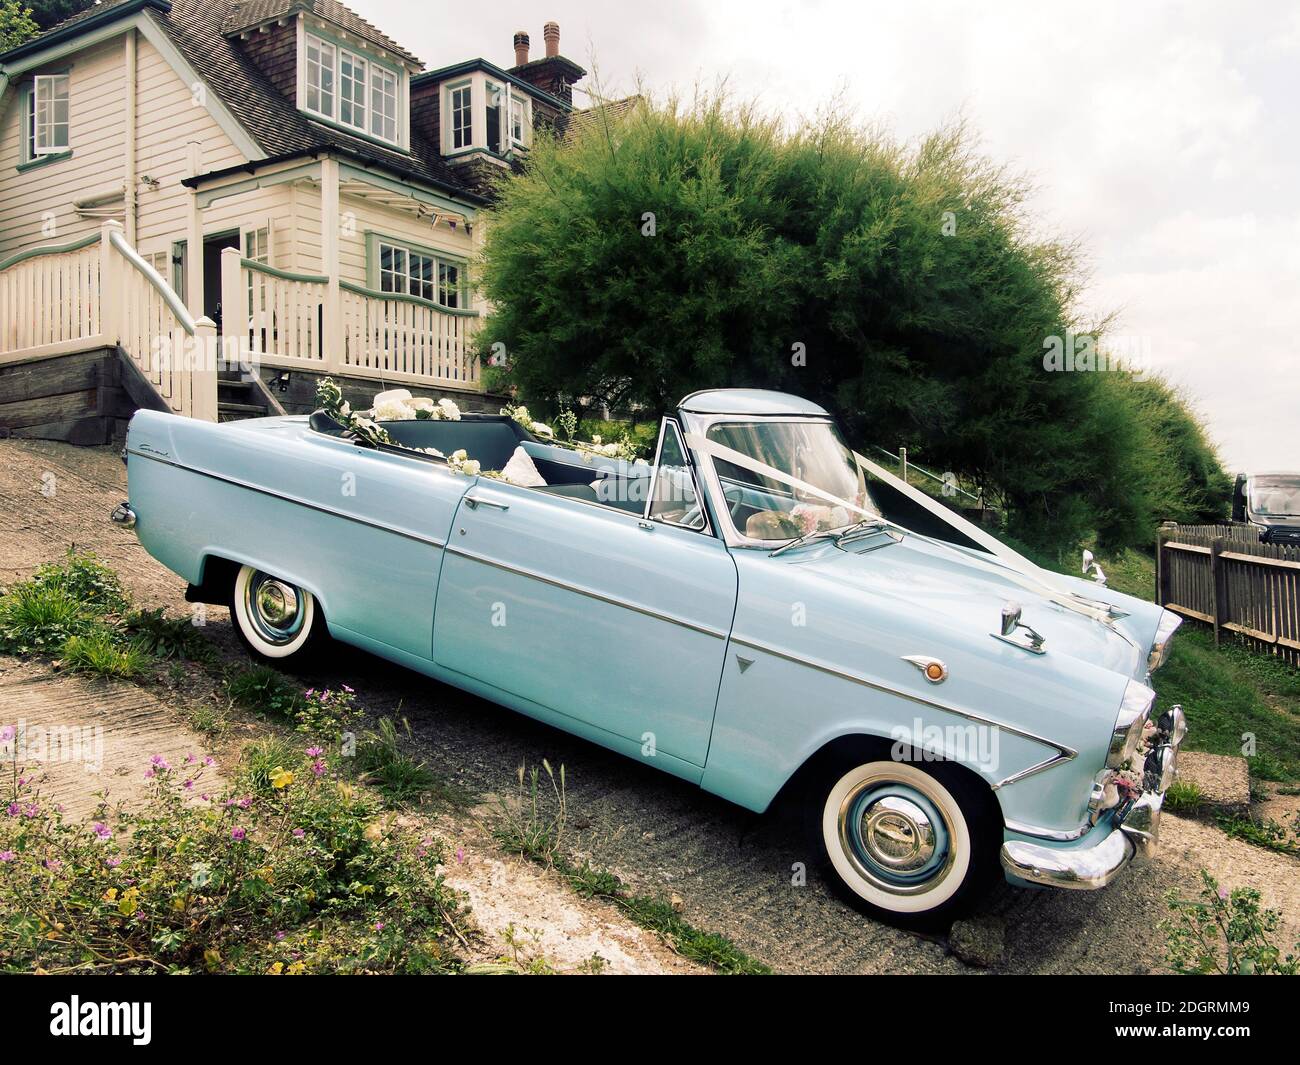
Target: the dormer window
pixel 483 113
pixel 352 90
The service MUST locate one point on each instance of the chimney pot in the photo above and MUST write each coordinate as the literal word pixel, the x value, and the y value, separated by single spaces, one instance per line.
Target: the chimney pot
pixel 551 33
pixel 521 48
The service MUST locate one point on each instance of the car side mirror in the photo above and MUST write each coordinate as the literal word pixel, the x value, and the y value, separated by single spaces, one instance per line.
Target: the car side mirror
pixel 1010 618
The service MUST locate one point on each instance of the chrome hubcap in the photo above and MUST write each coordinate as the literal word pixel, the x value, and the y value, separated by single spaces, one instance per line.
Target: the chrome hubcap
pixel 276 608
pixel 895 836
pixel 898 834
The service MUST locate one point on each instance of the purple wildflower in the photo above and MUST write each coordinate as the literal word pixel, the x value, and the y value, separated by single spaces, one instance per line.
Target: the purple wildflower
pixel 238 834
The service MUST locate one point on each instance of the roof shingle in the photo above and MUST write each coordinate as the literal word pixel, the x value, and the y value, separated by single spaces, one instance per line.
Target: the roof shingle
pixel 245 14
pixel 198 29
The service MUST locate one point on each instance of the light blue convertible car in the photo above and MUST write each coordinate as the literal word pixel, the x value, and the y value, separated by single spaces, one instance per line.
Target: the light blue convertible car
pixel 741 613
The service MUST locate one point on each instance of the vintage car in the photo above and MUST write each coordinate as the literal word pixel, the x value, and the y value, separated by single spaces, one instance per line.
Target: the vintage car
pixel 739 613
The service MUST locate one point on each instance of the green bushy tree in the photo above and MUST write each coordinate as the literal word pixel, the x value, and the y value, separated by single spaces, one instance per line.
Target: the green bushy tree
pixel 701 244
pixel 16 24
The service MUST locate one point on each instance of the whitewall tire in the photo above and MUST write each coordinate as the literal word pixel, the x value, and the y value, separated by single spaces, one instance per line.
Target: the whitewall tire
pixel 276 620
pixel 911 841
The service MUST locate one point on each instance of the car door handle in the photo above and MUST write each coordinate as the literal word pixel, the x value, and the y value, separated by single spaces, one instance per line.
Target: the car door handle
pixel 474 502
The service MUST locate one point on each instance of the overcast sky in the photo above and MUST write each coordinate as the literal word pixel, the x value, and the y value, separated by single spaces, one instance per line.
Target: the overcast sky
pixel 1164 135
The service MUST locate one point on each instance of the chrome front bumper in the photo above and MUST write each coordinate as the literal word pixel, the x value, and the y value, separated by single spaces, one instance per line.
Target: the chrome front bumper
pixel 1135 832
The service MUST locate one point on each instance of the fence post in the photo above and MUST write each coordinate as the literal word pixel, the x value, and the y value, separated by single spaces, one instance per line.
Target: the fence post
pixel 902 463
pixel 110 285
pixel 1162 535
pixel 203 371
pixel 234 311
pixel 1217 588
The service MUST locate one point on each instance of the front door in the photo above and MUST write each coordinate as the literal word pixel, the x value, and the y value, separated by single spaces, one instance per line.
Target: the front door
pixel 618 620
pixel 212 249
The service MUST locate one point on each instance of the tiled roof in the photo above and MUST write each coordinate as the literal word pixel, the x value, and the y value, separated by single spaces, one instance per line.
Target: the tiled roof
pixel 248 13
pixel 197 27
pixel 610 112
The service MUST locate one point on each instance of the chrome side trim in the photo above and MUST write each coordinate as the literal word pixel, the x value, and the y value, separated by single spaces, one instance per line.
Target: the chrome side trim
pixel 589 593
pixel 1064 753
pixel 239 483
pixel 1057 835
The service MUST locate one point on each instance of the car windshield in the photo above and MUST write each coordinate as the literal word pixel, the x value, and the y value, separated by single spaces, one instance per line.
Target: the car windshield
pixel 1276 496
pixel 820 487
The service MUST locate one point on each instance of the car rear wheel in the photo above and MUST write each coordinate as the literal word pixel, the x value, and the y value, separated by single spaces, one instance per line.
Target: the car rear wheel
pixel 276 620
pixel 914 842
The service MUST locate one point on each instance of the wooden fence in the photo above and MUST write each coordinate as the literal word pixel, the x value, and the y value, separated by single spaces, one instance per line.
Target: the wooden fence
pixel 1223 576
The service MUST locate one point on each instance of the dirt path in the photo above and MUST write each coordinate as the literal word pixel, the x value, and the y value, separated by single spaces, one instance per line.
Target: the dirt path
pixel 732 869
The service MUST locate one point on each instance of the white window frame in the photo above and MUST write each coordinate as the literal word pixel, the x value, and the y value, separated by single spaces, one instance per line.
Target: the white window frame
pixel 364 76
pixel 524 136
pixel 452 91
pixel 405 276
pixel 36 125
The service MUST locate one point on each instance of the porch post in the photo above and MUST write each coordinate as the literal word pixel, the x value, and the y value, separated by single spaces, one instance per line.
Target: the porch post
pixel 194 241
pixel 110 285
pixel 235 344
pixel 332 333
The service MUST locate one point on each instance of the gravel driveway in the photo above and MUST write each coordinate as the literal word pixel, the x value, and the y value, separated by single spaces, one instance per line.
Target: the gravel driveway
pixel 732 869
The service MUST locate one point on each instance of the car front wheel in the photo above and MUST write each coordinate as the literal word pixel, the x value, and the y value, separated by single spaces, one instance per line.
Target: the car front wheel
pixel 276 620
pixel 914 842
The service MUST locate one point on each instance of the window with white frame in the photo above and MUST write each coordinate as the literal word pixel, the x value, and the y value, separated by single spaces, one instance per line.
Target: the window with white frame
pixel 352 89
pixel 47 115
pixel 496 103
pixel 358 93
pixel 383 104
pixel 518 121
pixel 462 117
pixel 320 76
pixel 416 272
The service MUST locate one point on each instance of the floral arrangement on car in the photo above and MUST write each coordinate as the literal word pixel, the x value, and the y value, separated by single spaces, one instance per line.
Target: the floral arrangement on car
pixel 397 404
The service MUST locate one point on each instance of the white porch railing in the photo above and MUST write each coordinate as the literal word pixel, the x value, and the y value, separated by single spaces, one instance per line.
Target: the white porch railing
pixel 98 292
pixel 382 335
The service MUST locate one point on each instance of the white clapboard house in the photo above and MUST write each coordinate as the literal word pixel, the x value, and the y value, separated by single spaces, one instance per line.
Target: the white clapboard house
pixel 275 178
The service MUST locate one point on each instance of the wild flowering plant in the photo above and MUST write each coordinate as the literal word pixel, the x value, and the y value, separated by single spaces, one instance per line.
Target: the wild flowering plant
pixel 295 872
pixel 1224 932
pixel 327 712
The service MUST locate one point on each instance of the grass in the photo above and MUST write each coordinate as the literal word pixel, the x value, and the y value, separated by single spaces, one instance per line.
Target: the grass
pixel 656 915
pixel 1183 797
pixel 99 652
pixel 165 637
pixel 1237 701
pixel 37 618
pixel 264 690
pixel 1262 833
pixel 534 829
pixel 382 762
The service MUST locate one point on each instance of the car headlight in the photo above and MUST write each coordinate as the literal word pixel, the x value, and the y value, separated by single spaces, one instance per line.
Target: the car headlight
pixel 1169 622
pixel 1134 711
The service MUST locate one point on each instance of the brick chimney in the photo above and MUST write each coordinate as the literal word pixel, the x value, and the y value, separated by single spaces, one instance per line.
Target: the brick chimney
pixel 551 73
